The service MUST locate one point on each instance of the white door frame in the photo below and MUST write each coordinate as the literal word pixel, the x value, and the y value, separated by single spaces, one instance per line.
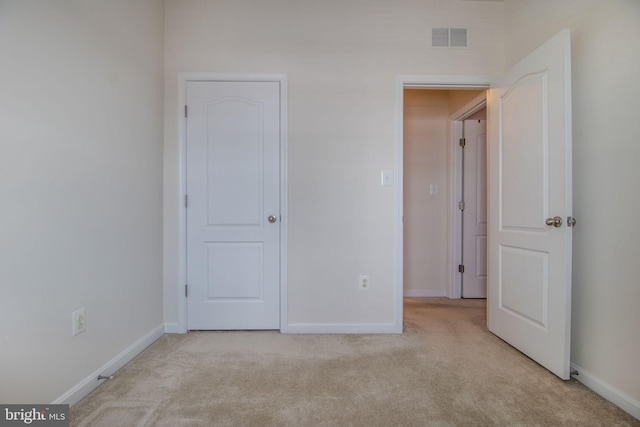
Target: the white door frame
pixel 417 82
pixel 455 231
pixel 183 78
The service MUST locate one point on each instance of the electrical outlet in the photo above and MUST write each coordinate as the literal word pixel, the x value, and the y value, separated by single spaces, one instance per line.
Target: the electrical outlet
pixel 363 282
pixel 78 321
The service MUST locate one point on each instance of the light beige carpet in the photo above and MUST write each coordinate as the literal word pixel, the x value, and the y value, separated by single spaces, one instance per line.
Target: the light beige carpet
pixel 445 370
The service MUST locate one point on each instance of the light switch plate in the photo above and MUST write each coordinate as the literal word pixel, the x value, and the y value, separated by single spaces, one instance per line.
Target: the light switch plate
pixel 385 178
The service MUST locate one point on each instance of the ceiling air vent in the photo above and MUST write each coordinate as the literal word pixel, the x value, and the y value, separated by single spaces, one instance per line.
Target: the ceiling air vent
pixel 449 37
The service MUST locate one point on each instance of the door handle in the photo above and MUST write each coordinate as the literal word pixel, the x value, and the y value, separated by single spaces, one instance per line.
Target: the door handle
pixel 556 221
pixel 272 219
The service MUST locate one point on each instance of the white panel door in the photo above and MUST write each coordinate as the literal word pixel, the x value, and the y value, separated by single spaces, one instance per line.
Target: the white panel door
pixel 474 215
pixel 233 214
pixel 529 304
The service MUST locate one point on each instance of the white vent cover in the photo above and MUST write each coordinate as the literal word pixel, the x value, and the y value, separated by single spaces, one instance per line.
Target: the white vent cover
pixel 449 37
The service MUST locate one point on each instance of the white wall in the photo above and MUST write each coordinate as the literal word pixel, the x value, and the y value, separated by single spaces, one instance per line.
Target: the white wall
pixel 81 187
pixel 606 89
pixel 342 59
pixel 458 99
pixel 426 216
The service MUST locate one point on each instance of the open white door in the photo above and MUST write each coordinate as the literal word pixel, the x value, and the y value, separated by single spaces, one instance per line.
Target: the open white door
pixel 529 301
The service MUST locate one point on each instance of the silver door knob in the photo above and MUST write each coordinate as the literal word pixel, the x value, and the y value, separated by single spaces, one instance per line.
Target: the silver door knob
pixel 272 219
pixel 556 221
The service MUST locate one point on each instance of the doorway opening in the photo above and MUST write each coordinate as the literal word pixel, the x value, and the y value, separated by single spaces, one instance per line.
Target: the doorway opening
pixel 431 114
pixel 444 193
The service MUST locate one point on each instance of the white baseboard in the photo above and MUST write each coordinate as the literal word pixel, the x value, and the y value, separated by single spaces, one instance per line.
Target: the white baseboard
pixel 341 328
pixel 87 385
pixel 173 328
pixel 424 293
pixel 612 394
pixel 318 328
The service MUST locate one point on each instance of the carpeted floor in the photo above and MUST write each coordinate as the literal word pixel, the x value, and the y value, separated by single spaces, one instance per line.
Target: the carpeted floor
pixel 445 370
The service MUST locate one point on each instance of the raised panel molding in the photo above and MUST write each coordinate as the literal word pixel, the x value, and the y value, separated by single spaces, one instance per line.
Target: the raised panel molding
pixel 240 260
pixel 529 94
pixel 221 178
pixel 529 303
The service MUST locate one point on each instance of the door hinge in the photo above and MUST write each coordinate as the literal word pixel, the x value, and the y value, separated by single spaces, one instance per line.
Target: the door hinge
pixel 460 268
pixel 461 205
pixel 185 111
pixel 186 200
pixel 186 291
pixel 463 142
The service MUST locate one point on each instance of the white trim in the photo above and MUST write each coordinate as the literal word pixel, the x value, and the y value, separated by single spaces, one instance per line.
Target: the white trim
pixel 284 204
pixel 612 394
pixel 172 328
pixel 182 192
pixel 420 81
pixel 424 293
pixel 86 386
pixel 183 78
pixel 415 81
pixel 341 328
pixel 399 228
pixel 455 229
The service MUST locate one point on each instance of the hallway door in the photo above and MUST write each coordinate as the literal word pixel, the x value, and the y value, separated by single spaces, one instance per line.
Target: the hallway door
pixel 474 215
